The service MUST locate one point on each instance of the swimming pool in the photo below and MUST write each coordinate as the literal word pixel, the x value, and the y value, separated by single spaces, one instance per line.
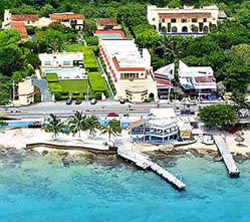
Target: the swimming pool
pixel 67 73
pixel 109 36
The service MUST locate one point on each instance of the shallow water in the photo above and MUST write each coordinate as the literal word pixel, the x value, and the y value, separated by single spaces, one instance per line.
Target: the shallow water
pixel 39 188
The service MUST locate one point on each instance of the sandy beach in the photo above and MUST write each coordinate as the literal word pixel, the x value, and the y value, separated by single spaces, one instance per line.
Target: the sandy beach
pixel 18 138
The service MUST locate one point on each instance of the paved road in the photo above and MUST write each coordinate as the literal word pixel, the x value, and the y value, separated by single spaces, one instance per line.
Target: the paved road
pixel 102 108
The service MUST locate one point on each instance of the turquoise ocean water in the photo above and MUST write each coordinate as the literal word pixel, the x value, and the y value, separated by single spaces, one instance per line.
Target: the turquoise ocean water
pixel 39 188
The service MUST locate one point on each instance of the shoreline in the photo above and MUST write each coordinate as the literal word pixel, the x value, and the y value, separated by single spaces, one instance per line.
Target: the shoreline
pixel 19 138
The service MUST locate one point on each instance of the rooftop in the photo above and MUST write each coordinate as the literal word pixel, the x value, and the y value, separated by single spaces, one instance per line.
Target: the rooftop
pixel 106 21
pixel 185 15
pixel 125 54
pixel 25 17
pixel 65 16
pixel 20 26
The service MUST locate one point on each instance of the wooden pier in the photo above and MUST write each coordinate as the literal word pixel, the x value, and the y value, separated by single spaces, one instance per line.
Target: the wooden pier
pixel 232 167
pixel 143 161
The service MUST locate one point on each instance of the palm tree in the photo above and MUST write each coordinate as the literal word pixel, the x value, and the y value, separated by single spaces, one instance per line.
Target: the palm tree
pixel 53 124
pixel 112 129
pixel 3 124
pixel 77 122
pixel 92 124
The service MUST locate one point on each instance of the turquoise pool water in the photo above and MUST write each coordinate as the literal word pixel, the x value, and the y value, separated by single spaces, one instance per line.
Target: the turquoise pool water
pixel 109 36
pixel 39 188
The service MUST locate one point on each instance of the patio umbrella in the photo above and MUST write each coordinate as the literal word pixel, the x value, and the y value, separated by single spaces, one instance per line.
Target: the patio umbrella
pixel 239 139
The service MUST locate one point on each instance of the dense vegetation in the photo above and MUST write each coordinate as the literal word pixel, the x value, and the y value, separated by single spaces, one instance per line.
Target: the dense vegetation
pixel 226 49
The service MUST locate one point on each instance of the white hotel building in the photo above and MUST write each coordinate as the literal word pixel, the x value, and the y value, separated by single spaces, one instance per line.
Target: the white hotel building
pixel 184 20
pixel 130 69
pixel 197 79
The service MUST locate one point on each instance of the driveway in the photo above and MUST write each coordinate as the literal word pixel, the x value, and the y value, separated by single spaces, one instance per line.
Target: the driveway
pixel 44 89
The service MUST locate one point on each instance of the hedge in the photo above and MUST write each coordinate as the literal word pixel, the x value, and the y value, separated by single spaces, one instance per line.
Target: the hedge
pixel 52 77
pixel 55 87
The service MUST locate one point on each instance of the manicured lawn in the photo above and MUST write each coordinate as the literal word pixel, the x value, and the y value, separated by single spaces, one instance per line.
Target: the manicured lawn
pixel 72 86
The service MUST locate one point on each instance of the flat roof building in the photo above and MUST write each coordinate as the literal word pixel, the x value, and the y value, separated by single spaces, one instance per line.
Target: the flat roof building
pixel 197 79
pixel 130 69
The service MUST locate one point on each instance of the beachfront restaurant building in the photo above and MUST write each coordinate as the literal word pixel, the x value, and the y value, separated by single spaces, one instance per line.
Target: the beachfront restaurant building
pixel 197 80
pixel 130 69
pixel 160 127
pixel 186 20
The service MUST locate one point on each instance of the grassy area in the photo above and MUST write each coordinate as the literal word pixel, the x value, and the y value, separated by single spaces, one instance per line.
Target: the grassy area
pixel 72 86
pixel 96 81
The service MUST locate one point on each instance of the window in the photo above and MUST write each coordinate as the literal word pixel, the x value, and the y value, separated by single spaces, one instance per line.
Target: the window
pixel 66 63
pixel 47 63
pixel 173 20
pixel 153 19
pixel 204 20
pixel 194 19
pixel 163 20
pixel 183 20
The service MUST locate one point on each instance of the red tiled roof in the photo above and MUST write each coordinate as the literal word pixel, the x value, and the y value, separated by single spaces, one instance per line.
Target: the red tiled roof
pixel 185 15
pixel 65 16
pixel 20 26
pixel 25 17
pixel 205 79
pixel 106 21
pixel 126 69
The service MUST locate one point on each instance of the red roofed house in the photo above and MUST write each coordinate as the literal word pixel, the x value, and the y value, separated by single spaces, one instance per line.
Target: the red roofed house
pixel 69 19
pixel 19 22
pixel 185 20
pixel 130 69
pixel 20 26
pixel 107 24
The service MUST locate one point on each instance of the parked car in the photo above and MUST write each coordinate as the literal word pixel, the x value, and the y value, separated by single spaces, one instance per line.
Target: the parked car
pixel 69 102
pixel 187 112
pixel 113 114
pixel 35 124
pixel 122 101
pixel 78 102
pixel 93 101
pixel 126 114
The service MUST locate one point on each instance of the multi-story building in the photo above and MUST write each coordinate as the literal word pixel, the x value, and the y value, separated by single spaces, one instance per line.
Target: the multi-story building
pixel 69 19
pixel 187 20
pixel 163 77
pixel 66 65
pixel 24 93
pixel 130 69
pixel 19 22
pixel 161 127
pixel 197 79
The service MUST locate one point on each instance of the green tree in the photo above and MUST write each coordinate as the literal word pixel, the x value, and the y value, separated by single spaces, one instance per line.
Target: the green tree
pixel 92 124
pixel 240 99
pixel 3 124
pixel 11 59
pixel 5 89
pixel 112 129
pixel 55 39
pixel 77 123
pixel 46 10
pixel 218 116
pixel 53 124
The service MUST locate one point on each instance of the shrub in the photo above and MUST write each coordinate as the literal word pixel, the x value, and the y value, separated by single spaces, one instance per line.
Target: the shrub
pixel 55 87
pixel 92 40
pixel 52 77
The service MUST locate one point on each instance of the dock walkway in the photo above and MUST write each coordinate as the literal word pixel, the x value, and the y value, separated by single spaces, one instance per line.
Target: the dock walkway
pixel 232 167
pixel 143 161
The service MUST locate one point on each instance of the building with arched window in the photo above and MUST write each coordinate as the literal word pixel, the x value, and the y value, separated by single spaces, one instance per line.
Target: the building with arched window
pixel 187 20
